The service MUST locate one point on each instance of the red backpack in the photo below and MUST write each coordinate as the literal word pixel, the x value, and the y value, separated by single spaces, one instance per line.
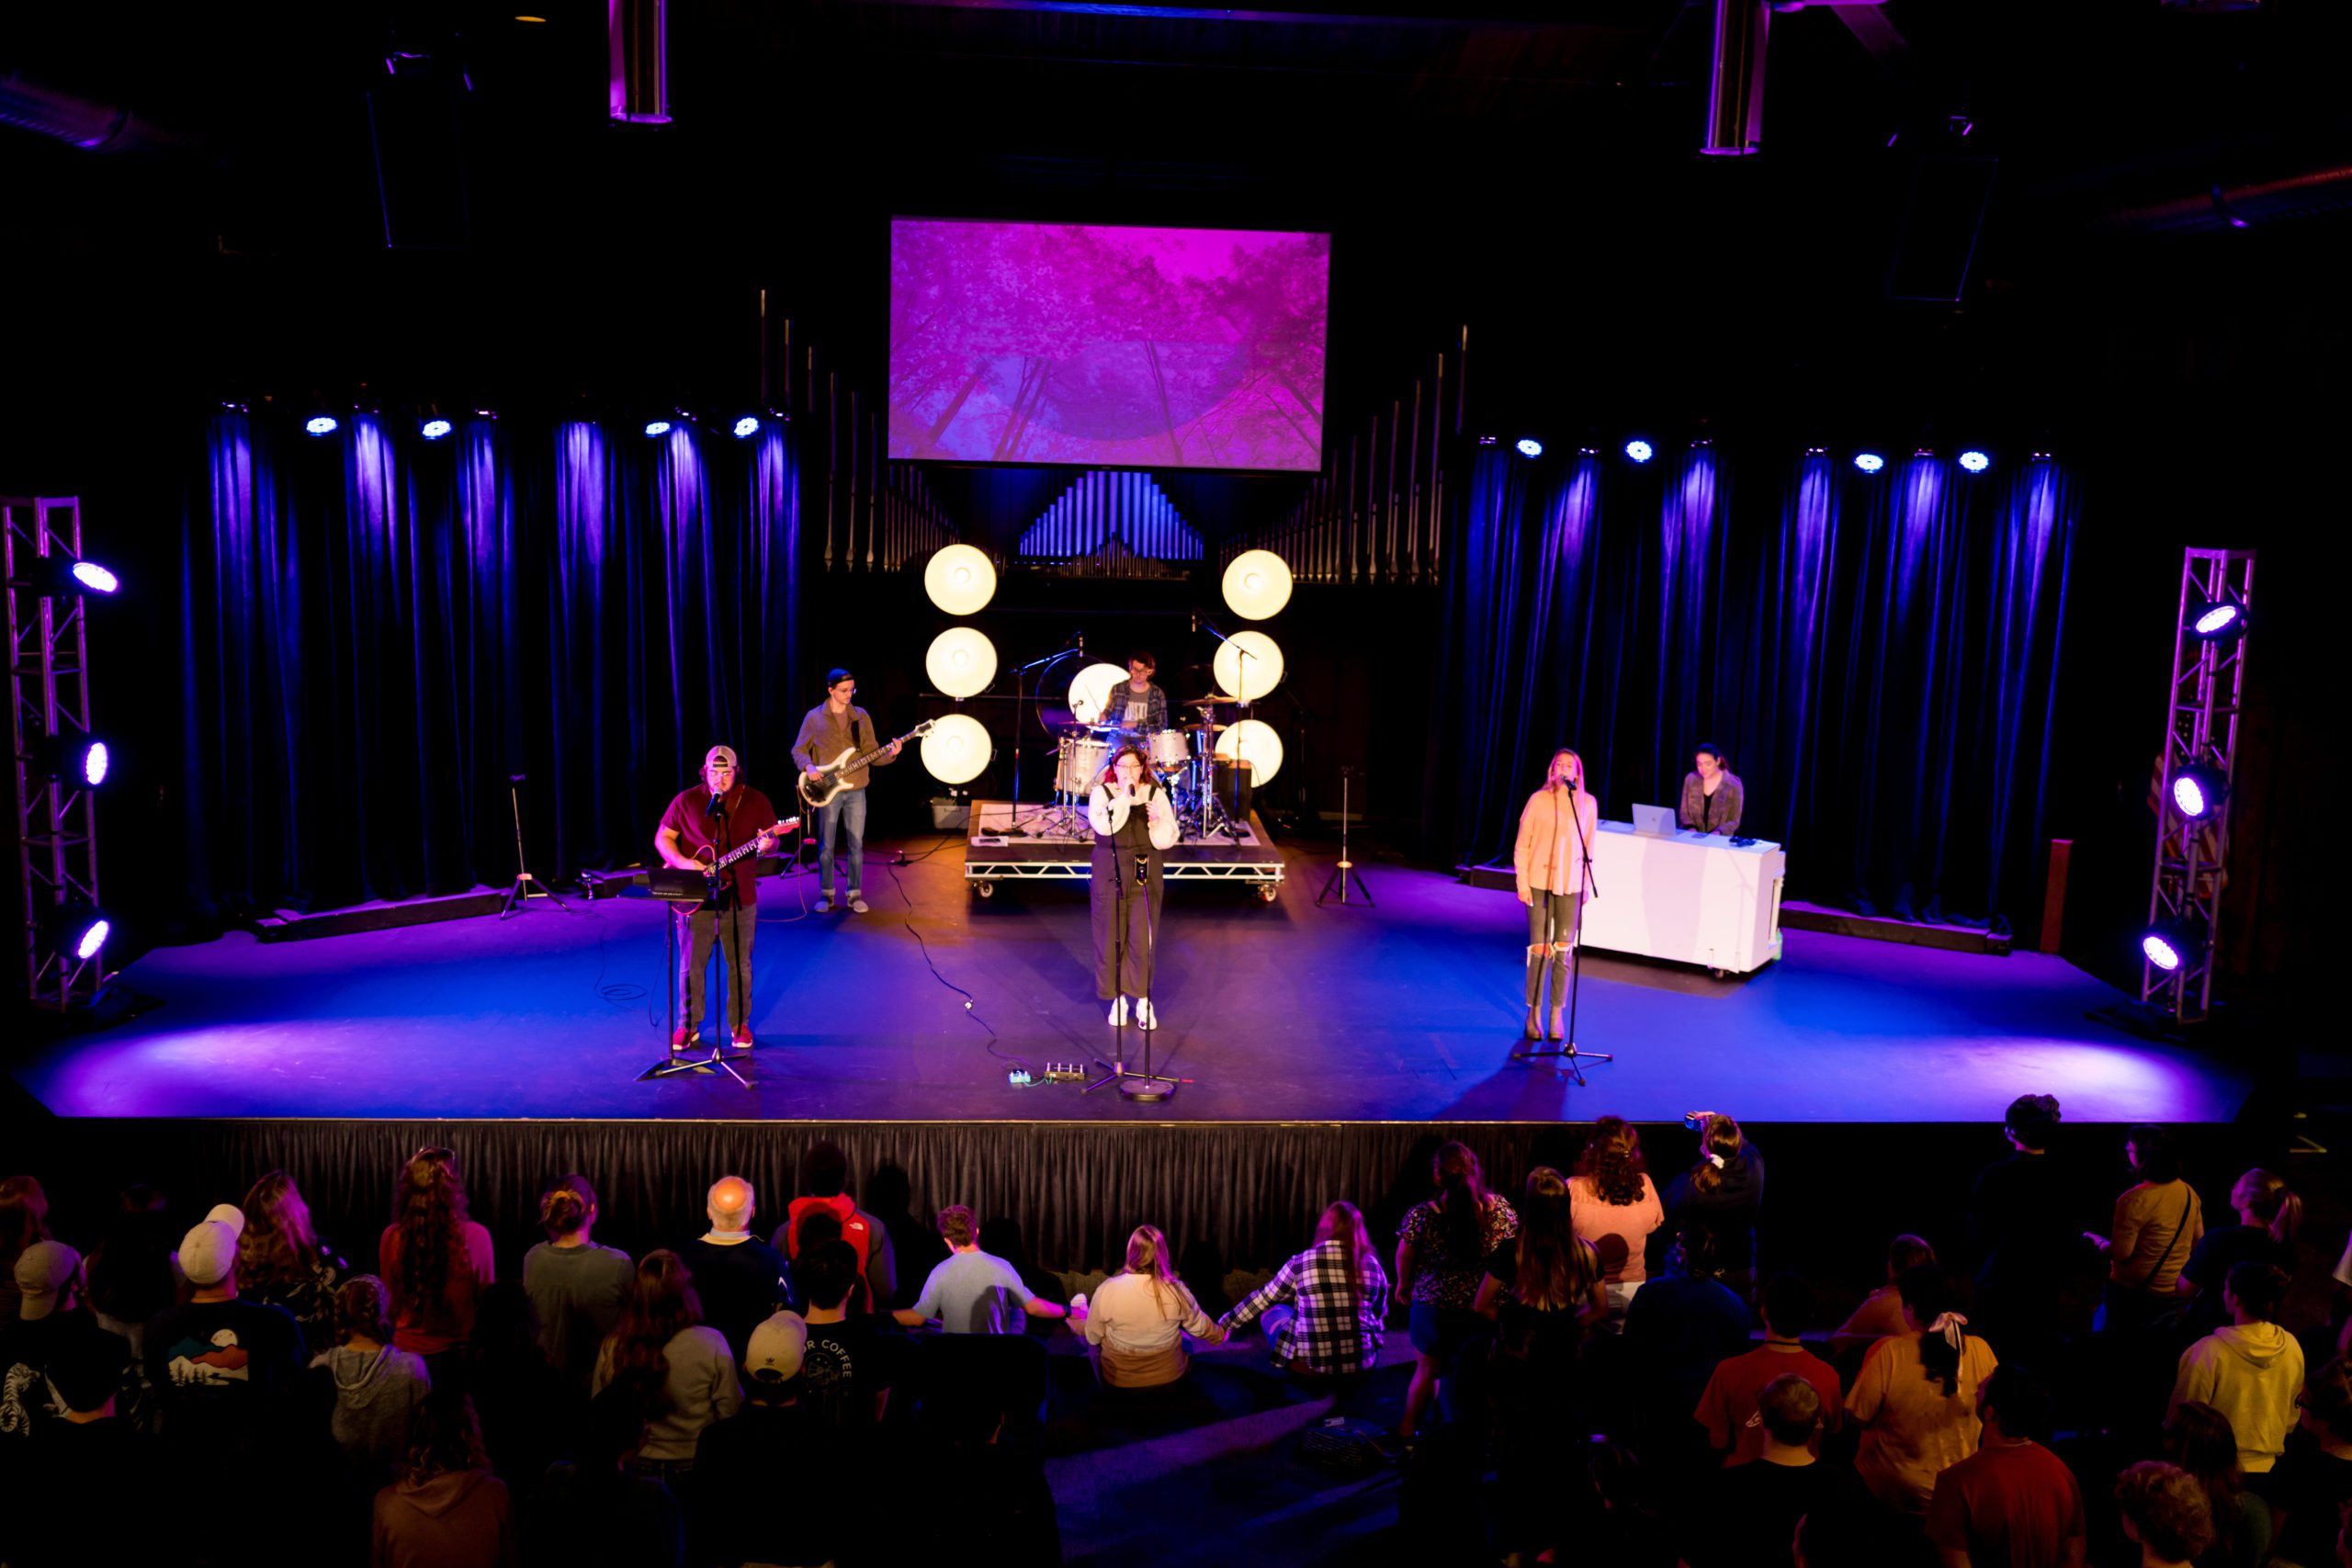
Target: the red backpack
pixel 854 1229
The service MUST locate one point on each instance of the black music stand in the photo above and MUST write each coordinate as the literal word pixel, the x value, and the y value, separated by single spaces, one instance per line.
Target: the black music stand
pixel 1567 1050
pixel 683 891
pixel 1346 872
pixel 526 886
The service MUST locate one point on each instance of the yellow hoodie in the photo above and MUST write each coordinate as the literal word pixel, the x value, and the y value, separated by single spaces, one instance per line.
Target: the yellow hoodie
pixel 2251 1375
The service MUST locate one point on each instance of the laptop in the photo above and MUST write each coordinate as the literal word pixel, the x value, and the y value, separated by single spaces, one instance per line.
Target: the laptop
pixel 1658 822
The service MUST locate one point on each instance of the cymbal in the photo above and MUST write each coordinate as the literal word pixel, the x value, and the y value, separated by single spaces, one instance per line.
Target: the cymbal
pixel 1209 728
pixel 1214 699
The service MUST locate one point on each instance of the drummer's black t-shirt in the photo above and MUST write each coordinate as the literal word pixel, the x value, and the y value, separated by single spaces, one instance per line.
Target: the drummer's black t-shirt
pixel 1139 708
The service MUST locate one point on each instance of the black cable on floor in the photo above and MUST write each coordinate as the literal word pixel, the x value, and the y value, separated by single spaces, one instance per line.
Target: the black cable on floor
pixel 969 1000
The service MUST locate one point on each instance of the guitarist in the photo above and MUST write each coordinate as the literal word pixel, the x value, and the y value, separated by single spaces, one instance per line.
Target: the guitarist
pixel 702 824
pixel 833 727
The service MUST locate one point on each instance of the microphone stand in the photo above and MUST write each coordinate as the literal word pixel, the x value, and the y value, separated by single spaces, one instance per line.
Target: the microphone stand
pixel 526 886
pixel 1146 1087
pixel 1567 1050
pixel 1115 1069
pixel 1018 714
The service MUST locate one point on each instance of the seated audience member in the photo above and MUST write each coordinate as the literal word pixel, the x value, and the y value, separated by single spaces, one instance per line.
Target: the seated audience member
pixel 1881 1314
pixel 529 1410
pixel 2252 1372
pixel 434 1258
pixel 85 1486
pixel 2268 1216
pixel 1679 1327
pixel 681 1370
pixel 741 1280
pixel 224 1371
pixel 2198 1439
pixel 1615 1207
pixel 773 1437
pixel 378 1385
pixel 2012 1501
pixel 24 1220
pixel 1915 1398
pixel 598 1513
pixel 446 1510
pixel 2312 1485
pixel 1442 1252
pixel 846 1367
pixel 130 1273
pixel 1727 1408
pixel 54 1319
pixel 2158 1220
pixel 281 1260
pixel 824 1190
pixel 1325 1313
pixel 973 1291
pixel 1139 1316
pixel 2164 1514
pixel 1750 1514
pixel 576 1285
pixel 1724 1191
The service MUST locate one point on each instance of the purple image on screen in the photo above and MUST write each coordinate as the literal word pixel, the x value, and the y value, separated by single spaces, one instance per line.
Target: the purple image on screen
pixel 1038 342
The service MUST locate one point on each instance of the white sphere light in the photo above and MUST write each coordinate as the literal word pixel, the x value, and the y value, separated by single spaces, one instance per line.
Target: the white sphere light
pixel 1248 679
pixel 961 662
pixel 957 749
pixel 1257 585
pixel 1254 743
pixel 1090 689
pixel 959 579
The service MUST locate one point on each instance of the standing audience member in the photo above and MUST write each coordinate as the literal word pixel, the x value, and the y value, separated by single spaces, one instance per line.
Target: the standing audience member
pixel 1916 1396
pixel 2018 1231
pixel 845 1371
pixel 2252 1372
pixel 55 1320
pixel 446 1510
pixel 224 1370
pixel 2311 1485
pixel 915 1247
pixel 24 1220
pixel 529 1412
pixel 824 1190
pixel 1615 1207
pixel 2164 1514
pixel 1679 1329
pixel 1728 1407
pixel 1442 1252
pixel 1751 1512
pixel 1881 1314
pixel 1139 1316
pixel 84 1491
pixel 598 1512
pixel 2270 1215
pixel 576 1285
pixel 1723 1192
pixel 680 1370
pixel 973 1291
pixel 1325 1313
pixel 130 1273
pixel 2157 1221
pixel 773 1437
pixel 2012 1502
pixel 739 1280
pixel 434 1258
pixel 2198 1439
pixel 378 1385
pixel 281 1260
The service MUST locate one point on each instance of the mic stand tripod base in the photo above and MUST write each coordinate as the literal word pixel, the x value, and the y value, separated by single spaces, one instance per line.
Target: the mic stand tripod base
pixel 527 887
pixel 1569 1056
pixel 721 1058
pixel 1341 875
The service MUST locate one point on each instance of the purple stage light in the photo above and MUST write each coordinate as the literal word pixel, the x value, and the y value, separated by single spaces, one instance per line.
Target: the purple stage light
pixel 2159 951
pixel 322 424
pixel 1868 462
pixel 1976 462
pixel 1639 450
pixel 2213 620
pixel 2196 791
pixel 92 938
pixel 1530 447
pixel 657 428
pixel 96 759
pixel 747 425
pixel 95 577
pixel 434 428
pixel 2189 793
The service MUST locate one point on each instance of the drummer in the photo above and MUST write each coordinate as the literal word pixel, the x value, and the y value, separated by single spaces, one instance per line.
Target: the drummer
pixel 1138 706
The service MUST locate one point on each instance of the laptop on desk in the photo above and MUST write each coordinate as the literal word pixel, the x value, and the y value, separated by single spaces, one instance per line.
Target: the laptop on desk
pixel 1656 821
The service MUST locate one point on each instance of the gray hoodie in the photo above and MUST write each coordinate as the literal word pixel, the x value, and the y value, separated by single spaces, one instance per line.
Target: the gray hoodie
pixel 374 1392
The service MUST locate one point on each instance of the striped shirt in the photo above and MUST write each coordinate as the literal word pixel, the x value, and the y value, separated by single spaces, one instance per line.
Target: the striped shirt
pixel 1340 1322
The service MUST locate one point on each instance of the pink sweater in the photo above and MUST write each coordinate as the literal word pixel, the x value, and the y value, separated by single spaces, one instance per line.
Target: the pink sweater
pixel 1593 1219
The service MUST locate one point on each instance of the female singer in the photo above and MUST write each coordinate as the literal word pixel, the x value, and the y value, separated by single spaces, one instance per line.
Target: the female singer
pixel 1548 862
pixel 1134 821
pixel 1711 797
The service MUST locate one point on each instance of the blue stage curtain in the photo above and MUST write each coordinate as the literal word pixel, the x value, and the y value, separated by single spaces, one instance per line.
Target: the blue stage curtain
pixel 1877 655
pixel 378 630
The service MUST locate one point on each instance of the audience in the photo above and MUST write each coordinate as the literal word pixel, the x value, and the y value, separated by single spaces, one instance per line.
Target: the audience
pixel 2198 1439
pixel 1679 1329
pixel 24 1220
pixel 1723 1191
pixel 1881 1314
pixel 1325 1313
pixel 599 1513
pixel 1729 1407
pixel 1000 1237
pixel 973 1291
pixel 130 1274
pixel 2012 1501
pixel 2268 1217
pixel 1915 1398
pixel 1138 1318
pixel 529 1410
pixel 2164 1514
pixel 2157 1221
pixel 83 1489
pixel 224 1370
pixel 2312 1485
pixel 1442 1252
pixel 2251 1371
pixel 915 1247
pixel 55 1321
pixel 378 1385
pixel 446 1510
pixel 576 1286
pixel 846 1367
pixel 682 1372
pixel 1616 1207
pixel 773 1438
pixel 740 1279
pixel 1751 1514
pixel 435 1259
pixel 824 1190
pixel 281 1260
pixel 2019 1227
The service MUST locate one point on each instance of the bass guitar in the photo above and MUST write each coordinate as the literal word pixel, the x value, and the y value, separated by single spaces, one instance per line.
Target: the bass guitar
pixel 818 793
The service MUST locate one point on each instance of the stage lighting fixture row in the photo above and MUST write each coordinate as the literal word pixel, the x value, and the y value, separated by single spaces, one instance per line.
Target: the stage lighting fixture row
pixel 1251 678
pixel 79 929
pixel 1974 461
pixel 2197 791
pixel 2171 945
pixel 957 749
pixel 1090 689
pixel 657 428
pixel 1530 447
pixel 1639 450
pixel 83 761
pixel 1257 585
pixel 1868 462
pixel 961 662
pixel 61 576
pixel 959 579
pixel 747 425
pixel 1254 743
pixel 322 424
pixel 434 428
pixel 2221 621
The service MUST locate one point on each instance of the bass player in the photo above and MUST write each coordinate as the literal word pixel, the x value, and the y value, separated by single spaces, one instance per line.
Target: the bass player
pixel 833 727
pixel 702 824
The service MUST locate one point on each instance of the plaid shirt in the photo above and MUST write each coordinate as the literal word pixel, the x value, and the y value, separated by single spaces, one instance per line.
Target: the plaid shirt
pixel 1339 1321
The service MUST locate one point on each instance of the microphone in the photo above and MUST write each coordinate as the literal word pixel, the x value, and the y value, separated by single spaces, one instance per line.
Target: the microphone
pixel 717 806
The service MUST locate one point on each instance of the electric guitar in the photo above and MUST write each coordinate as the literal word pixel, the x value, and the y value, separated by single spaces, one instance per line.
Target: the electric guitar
pixel 713 866
pixel 819 793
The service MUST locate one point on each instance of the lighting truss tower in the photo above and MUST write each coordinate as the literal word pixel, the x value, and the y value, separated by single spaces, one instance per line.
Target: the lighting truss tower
pixel 2201 715
pixel 48 690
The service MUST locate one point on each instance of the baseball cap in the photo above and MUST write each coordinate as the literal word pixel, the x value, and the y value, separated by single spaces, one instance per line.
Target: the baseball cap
pixel 776 1346
pixel 719 756
pixel 43 1270
pixel 209 1251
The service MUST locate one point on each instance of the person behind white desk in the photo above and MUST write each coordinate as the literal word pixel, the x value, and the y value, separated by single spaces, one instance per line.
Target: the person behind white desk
pixel 1711 798
pixel 1548 864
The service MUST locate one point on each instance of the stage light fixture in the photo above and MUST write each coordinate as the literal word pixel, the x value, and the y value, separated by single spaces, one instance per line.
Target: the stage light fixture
pixel 78 928
pixel 2197 791
pixel 747 425
pixel 957 749
pixel 83 761
pixel 1530 447
pixel 434 428
pixel 2171 945
pixel 657 428
pixel 2221 620
pixel 1257 585
pixel 1974 461
pixel 1640 450
pixel 63 577
pixel 322 424
pixel 961 662
pixel 1248 679
pixel 1090 691
pixel 959 579
pixel 1868 462
pixel 1253 741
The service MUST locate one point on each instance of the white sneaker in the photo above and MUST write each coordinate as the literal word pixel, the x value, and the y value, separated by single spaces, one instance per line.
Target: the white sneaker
pixel 1119 1012
pixel 1145 1018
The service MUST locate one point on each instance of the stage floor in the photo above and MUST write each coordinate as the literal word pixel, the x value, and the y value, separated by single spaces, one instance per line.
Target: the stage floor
pixel 1407 1011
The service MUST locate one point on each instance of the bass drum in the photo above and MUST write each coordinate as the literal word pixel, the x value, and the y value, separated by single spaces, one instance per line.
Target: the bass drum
pixel 1080 765
pixel 1168 750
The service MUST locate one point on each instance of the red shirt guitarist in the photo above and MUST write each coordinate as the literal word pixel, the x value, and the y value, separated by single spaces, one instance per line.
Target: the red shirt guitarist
pixel 702 825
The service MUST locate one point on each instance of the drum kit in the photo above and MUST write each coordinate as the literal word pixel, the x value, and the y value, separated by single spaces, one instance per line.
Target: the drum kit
pixel 1182 756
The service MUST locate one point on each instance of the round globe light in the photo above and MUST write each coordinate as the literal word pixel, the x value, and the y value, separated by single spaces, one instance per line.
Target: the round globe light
pixel 1251 678
pixel 1090 691
pixel 1257 585
pixel 961 662
pixel 959 579
pixel 957 749
pixel 1254 743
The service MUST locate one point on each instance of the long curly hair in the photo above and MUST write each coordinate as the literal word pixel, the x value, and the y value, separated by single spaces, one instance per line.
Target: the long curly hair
pixel 1461 1202
pixel 662 1305
pixel 1554 1270
pixel 428 1216
pixel 1718 1135
pixel 277 1248
pixel 1612 1161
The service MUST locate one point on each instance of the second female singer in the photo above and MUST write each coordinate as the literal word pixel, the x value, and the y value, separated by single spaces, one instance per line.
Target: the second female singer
pixel 1133 822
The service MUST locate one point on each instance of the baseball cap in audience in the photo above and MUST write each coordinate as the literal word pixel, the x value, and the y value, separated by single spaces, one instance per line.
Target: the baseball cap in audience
pixel 208 1252
pixel 776 1348
pixel 43 1270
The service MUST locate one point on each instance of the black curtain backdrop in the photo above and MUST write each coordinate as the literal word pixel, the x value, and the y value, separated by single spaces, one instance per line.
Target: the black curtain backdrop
pixel 1877 654
pixel 377 630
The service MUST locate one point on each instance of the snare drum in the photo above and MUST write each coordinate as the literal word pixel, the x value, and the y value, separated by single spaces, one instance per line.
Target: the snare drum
pixel 1167 749
pixel 1080 767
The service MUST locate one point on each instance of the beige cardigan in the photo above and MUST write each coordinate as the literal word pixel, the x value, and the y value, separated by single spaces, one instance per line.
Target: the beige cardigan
pixel 1545 856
